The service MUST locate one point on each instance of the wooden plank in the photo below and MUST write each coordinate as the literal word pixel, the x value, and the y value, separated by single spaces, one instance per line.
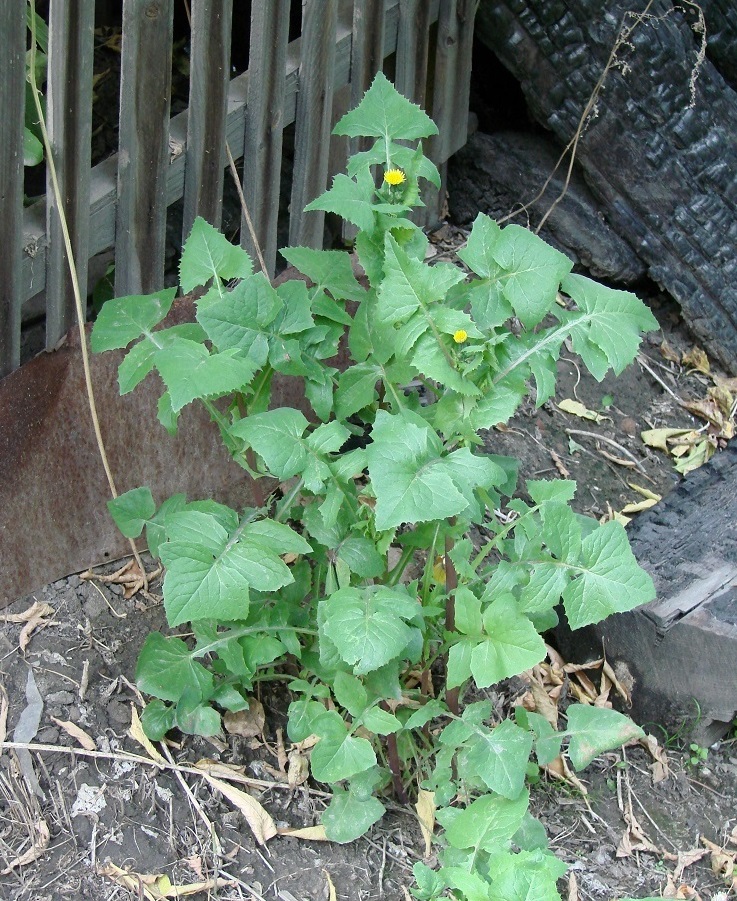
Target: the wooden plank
pixel 103 184
pixel 413 47
pixel 69 114
pixel 367 52
pixel 12 111
pixel 265 126
pixel 313 122
pixel 208 96
pixel 143 156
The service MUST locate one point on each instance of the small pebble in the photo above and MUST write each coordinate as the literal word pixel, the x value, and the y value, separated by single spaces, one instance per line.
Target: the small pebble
pixel 60 698
pixel 119 712
pixel 629 426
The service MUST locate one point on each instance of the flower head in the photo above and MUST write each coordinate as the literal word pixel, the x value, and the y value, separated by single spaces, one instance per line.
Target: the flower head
pixel 394 177
pixel 460 336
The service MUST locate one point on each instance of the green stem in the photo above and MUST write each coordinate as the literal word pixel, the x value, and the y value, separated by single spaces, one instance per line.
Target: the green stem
pixel 396 574
pixel 286 502
pixel 451 584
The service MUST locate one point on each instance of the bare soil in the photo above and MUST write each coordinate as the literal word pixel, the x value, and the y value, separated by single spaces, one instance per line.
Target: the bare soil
pixel 88 810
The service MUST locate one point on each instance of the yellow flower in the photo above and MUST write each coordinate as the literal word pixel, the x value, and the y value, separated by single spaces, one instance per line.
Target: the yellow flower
pixel 460 336
pixel 395 177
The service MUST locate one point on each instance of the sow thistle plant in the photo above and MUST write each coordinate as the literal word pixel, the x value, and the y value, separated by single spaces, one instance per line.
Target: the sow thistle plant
pixel 378 664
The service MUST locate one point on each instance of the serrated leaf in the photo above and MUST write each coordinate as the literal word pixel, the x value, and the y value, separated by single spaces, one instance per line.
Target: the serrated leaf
pixel 356 389
pixel 499 757
pixel 368 625
pixel 126 318
pixel 166 668
pixel 329 270
pixel 385 113
pixel 276 436
pixel 487 823
pixel 532 272
pixel 593 730
pixel 241 316
pixel 607 579
pixel 348 817
pixel 478 254
pixel 513 644
pixel 209 254
pixel 132 510
pixel 606 330
pixel 412 481
pixel 209 571
pixel 348 199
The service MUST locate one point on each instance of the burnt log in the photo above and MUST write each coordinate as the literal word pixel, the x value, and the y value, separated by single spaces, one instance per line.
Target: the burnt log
pixel 659 151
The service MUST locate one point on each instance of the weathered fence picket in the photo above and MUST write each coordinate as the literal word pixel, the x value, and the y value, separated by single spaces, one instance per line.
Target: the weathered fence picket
pixel 69 114
pixel 143 149
pixel 122 202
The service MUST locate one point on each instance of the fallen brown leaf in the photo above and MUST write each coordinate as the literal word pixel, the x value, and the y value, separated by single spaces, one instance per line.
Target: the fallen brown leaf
pixel 261 823
pixel 331 888
pixel 39 846
pixel 34 618
pixel 246 723
pixel 425 807
pixel 157 887
pixel 85 740
pixel 308 833
pixel 136 732
pixel 659 767
pixel 669 353
pixel 696 359
pixel 572 887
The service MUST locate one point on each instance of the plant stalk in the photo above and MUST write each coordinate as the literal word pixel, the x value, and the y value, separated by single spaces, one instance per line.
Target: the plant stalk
pixel 451 584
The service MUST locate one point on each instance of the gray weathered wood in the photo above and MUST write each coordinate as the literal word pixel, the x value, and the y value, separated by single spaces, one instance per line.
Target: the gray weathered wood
pixel 413 49
pixel 103 182
pixel 264 130
pixel 313 122
pixel 69 115
pixel 143 157
pixel 208 95
pixel 12 106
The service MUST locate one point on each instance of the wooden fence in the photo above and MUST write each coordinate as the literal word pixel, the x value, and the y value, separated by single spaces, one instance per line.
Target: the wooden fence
pixel 122 202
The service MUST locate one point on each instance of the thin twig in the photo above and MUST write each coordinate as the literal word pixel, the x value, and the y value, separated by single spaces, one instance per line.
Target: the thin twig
pixel 647 368
pixel 612 442
pixel 244 207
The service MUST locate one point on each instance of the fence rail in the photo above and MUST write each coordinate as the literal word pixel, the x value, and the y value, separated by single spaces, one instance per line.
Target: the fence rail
pixel 122 202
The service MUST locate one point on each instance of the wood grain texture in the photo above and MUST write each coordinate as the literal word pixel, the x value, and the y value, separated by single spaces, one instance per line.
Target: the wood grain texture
pixel 265 116
pixel 69 119
pixel 208 95
pixel 313 122
pixel 659 159
pixel 143 156
pixel 12 105
pixel 413 50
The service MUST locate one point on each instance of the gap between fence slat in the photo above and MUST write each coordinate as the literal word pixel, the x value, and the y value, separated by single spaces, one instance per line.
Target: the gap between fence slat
pixel 69 114
pixel 143 155
pixel 313 122
pixel 264 126
pixel 12 107
pixel 103 180
pixel 208 97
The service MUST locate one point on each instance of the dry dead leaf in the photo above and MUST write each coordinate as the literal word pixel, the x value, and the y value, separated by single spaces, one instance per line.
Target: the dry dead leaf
pixel 687 859
pixel 576 408
pixel 85 740
pixel 723 398
pixel 639 506
pixel 157 887
pixel 136 732
pixel 425 807
pixel 708 410
pixel 559 769
pixel 261 823
pixel 659 767
pixel 331 888
pixel 669 353
pixel 696 359
pixel 563 471
pixel 4 707
pixel 37 849
pixel 620 461
pixel 34 618
pixel 621 689
pixel 658 438
pixel 544 705
pixel 298 768
pixel 246 723
pixel 635 839
pixel 645 492
pixel 680 892
pixel 572 887
pixel 722 861
pixel 307 833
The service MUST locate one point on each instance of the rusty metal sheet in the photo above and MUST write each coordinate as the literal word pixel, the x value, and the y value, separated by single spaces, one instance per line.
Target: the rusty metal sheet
pixel 53 492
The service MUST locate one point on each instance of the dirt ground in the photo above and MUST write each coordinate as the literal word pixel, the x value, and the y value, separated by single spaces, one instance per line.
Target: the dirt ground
pixel 66 814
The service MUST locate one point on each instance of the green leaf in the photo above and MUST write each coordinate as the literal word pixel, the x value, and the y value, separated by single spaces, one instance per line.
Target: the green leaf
pixel 368 625
pixel 209 254
pixel 166 668
pixel 380 722
pixel 126 318
pixel 132 510
pixel 338 755
pixel 513 644
pixel 209 571
pixel 329 270
pixel 488 823
pixel 276 436
pixel 361 557
pixel 593 730
pixel 531 835
pixel 412 481
pixel 607 326
pixel 239 319
pixel 196 719
pixel 526 876
pixel 356 389
pixel 532 272
pixel 499 757
pixel 478 252
pixel 348 199
pixel 348 817
pixel 33 149
pixel 609 579
pixel 385 113
pixel 190 371
pixel 350 693
pixel 157 719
